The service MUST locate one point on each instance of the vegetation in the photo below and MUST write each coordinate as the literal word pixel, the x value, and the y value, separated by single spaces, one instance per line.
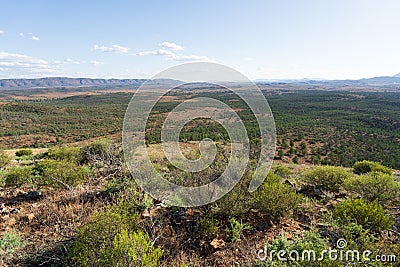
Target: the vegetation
pixel 366 166
pixel 131 249
pixel 236 229
pixel 18 176
pixel 371 215
pixel 4 159
pixel 327 178
pixel 282 171
pixel 64 153
pixel 81 207
pixel 275 198
pixel 59 173
pixel 23 152
pixel 10 243
pixel 311 241
pixel 100 239
pixel 208 227
pixel 334 128
pixel 375 186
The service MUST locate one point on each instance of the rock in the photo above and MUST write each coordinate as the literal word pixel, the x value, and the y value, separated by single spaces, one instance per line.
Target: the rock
pixel 11 221
pixel 14 210
pixel 217 243
pixel 30 216
pixel 33 195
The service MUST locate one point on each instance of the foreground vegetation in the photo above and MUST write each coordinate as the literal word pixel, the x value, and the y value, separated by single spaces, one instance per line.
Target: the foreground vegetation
pixel 104 219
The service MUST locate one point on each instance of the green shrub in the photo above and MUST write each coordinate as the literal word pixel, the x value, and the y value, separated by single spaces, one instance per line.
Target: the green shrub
pixel 10 243
pixel 131 249
pixel 4 159
pixel 17 176
pixel 96 237
pixel 208 227
pixel 357 237
pixel 71 154
pixel 275 198
pixel 59 173
pixel 282 171
pixel 365 166
pixel 310 241
pixel 234 203
pixel 375 186
pixel 371 215
pixel 98 150
pixel 236 229
pixel 23 152
pixel 327 178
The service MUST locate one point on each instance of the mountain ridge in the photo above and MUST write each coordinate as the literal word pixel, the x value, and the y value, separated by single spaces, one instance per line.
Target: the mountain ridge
pixel 75 82
pixel 60 82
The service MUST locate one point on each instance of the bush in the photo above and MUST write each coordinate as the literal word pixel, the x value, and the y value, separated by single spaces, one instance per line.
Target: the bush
pixel 282 171
pixel 208 227
pixel 23 152
pixel 59 173
pixel 357 237
pixel 370 216
pixel 236 229
pixel 234 203
pixel 275 198
pixel 18 176
pixel 327 178
pixel 4 159
pixel 365 166
pixel 98 150
pixel 10 243
pixel 71 154
pixel 311 241
pixel 95 239
pixel 131 249
pixel 375 186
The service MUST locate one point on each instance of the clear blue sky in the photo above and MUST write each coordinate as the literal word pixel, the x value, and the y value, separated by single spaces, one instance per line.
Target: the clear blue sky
pixel 262 39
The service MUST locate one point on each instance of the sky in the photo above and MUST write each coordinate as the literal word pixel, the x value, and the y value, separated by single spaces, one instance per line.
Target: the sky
pixel 341 39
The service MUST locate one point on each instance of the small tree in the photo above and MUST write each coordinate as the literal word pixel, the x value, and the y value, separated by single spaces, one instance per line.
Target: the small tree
pixel 280 153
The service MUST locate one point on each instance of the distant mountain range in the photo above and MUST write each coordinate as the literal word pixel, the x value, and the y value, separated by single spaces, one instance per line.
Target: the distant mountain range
pixel 76 82
pixel 376 81
pixel 104 83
